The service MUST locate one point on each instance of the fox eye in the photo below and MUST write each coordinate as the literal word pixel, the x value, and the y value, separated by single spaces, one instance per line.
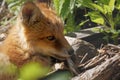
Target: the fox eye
pixel 51 38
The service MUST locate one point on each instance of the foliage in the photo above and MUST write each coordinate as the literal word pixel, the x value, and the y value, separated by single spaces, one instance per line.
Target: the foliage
pixel 103 13
pixel 33 71
pixel 60 75
pixel 14 5
pixel 65 9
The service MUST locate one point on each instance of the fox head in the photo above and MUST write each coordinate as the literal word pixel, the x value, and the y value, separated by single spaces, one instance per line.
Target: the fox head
pixel 43 31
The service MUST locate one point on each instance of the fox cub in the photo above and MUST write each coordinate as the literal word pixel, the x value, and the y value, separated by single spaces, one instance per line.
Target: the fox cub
pixel 36 36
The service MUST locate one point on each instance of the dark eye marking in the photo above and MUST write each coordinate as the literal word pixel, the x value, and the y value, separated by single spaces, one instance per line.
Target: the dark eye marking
pixel 51 38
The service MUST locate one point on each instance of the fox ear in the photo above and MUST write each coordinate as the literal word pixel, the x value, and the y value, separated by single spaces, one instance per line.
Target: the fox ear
pixel 29 12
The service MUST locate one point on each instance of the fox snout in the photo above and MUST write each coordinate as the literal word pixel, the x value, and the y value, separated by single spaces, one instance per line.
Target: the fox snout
pixel 64 54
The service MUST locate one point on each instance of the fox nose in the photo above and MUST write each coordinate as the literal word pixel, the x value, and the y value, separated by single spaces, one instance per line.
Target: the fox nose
pixel 72 54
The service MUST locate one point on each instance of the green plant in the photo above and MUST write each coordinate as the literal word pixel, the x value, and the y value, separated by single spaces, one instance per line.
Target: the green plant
pixel 65 9
pixel 12 10
pixel 102 13
pixel 33 71
pixel 15 5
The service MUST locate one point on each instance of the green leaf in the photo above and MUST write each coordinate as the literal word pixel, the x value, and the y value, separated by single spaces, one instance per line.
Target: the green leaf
pixel 65 9
pixel 78 4
pixel 70 24
pixel 118 31
pixel 72 4
pixel 117 19
pixel 56 5
pixel 81 24
pixel 33 71
pixel 99 8
pixel 118 4
pixel 107 9
pixel 61 2
pixel 96 17
pixel 112 5
pixel 97 29
pixel 85 3
pixel 106 2
pixel 59 75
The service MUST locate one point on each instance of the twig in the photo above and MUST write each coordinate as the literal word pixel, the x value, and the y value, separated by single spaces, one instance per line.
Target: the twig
pixel 83 58
pixel 2 6
pixel 114 46
pixel 91 65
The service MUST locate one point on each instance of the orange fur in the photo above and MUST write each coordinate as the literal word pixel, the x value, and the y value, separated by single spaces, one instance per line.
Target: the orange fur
pixel 37 36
